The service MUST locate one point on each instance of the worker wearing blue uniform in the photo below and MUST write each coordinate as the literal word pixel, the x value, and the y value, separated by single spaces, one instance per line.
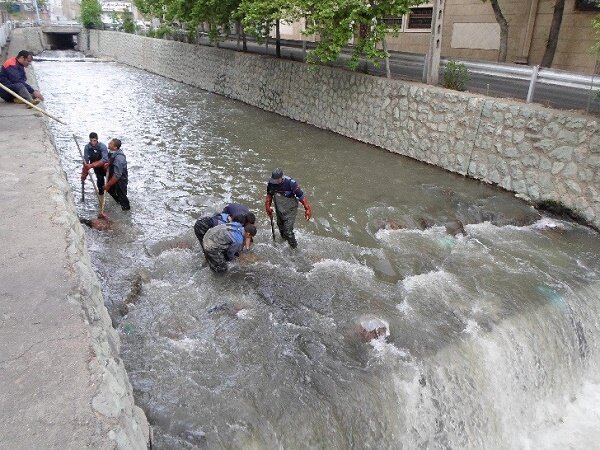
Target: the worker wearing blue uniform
pixel 203 224
pixel 286 193
pixel 118 177
pixel 95 156
pixel 225 242
pixel 239 212
pixel 12 76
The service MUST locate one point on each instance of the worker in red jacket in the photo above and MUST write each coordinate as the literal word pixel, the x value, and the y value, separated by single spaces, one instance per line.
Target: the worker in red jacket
pixel 12 76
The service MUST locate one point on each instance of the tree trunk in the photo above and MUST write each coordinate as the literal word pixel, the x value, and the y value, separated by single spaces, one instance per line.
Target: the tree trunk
pixel 559 7
pixel 503 50
pixel 244 41
pixel 388 73
pixel 277 39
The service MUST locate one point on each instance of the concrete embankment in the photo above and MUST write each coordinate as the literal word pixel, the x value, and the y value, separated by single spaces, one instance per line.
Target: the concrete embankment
pixel 541 153
pixel 63 382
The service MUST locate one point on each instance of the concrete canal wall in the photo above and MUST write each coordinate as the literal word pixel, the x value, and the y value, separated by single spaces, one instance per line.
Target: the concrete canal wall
pixel 542 153
pixel 63 382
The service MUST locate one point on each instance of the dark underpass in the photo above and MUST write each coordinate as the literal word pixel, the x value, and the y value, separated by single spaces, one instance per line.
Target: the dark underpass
pixel 60 38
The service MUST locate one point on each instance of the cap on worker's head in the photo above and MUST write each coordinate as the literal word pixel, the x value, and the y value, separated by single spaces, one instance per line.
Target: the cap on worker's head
pixel 276 176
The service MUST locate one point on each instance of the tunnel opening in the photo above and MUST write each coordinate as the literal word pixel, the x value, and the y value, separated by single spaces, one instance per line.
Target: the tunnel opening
pixel 61 41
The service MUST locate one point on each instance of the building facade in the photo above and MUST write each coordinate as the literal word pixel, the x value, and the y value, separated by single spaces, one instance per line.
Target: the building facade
pixel 470 31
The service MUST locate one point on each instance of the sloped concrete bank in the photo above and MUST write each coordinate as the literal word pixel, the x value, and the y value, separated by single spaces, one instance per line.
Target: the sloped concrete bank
pixel 63 382
pixel 542 154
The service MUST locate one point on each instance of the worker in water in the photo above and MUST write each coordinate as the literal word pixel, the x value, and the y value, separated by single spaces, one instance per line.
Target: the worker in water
pixel 239 211
pixel 203 224
pixel 225 242
pixel 13 77
pixel 116 185
pixel 233 212
pixel 286 193
pixel 95 156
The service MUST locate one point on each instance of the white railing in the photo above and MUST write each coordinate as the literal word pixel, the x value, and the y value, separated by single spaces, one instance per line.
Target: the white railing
pixel 544 75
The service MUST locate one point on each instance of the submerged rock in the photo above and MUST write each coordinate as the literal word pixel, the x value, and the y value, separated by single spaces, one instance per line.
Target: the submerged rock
pixel 373 328
pixel 455 227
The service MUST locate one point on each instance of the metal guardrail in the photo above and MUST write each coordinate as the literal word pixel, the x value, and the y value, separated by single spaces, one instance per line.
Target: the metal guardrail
pixel 544 75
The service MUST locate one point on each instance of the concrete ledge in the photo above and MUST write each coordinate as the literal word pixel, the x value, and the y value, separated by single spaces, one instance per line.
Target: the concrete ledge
pixel 63 382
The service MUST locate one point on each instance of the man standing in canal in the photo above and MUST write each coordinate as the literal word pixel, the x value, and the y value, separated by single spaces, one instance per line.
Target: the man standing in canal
pixel 116 185
pixel 95 156
pixel 286 193
pixel 12 76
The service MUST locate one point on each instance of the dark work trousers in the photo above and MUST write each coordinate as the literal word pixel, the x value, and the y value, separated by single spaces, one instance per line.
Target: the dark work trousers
pixel 100 174
pixel 119 193
pixel 202 225
pixel 215 257
pixel 286 210
pixel 18 88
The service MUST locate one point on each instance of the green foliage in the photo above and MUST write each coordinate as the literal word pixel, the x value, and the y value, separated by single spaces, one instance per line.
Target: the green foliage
pixel 258 16
pixel 163 31
pixel 596 26
pixel 336 22
pixel 218 14
pixel 339 21
pixel 128 23
pixel 456 76
pixel 90 14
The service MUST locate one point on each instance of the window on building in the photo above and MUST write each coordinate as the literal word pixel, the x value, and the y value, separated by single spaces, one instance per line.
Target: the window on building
pixel 587 5
pixel 419 18
pixel 393 21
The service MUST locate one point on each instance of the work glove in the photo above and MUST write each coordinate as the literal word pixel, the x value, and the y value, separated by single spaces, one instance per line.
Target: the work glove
pixel 307 209
pixel 84 173
pixel 268 209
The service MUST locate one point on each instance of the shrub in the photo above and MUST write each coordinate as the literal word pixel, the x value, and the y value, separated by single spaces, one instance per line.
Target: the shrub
pixel 456 76
pixel 91 10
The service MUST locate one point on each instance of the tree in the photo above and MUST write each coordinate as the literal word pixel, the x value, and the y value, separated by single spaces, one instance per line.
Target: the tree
pixel 128 23
pixel 337 22
pixel 90 14
pixel 559 7
pixel 217 13
pixel 596 26
pixel 260 15
pixel 503 50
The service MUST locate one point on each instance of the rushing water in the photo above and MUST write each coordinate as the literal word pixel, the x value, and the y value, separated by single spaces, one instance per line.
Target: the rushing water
pixel 493 335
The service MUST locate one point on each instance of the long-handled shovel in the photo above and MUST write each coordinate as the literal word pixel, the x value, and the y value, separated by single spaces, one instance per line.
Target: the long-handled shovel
pixel 27 102
pixel 272 227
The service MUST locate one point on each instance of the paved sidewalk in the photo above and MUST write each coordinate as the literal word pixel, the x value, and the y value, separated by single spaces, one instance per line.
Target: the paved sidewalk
pixel 62 384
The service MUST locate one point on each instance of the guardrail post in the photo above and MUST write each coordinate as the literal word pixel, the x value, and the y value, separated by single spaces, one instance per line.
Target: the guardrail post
pixel 534 76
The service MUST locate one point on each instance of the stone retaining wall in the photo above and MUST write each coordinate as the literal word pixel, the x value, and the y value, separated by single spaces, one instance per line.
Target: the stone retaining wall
pixel 543 154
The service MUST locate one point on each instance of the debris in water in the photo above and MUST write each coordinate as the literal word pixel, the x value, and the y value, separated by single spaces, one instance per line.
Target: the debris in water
pixel 373 328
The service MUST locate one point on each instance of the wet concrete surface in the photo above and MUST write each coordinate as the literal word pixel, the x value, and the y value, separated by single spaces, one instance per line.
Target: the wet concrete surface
pixel 63 384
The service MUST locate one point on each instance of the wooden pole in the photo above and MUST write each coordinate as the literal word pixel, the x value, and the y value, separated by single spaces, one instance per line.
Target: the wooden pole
pixel 27 102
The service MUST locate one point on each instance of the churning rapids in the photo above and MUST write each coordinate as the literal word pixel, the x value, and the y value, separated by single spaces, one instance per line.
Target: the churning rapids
pixel 493 334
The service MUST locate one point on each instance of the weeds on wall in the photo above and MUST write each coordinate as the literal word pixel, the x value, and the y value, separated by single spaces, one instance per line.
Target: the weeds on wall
pixel 456 76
